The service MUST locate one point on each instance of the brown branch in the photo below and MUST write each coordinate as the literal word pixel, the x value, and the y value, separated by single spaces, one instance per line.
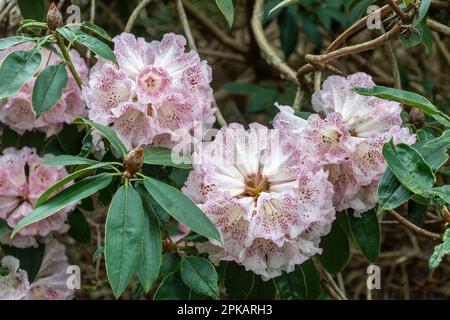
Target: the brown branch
pixel 135 14
pixel 399 12
pixel 186 27
pixel 358 25
pixel 411 226
pixel 213 28
pixel 267 51
pixel 389 48
pixel 438 27
pixel 322 60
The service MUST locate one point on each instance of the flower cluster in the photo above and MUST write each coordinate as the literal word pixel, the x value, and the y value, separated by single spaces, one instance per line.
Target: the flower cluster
pixel 157 93
pixel 272 193
pixel 349 140
pixel 17 111
pixel 270 203
pixel 22 181
pixel 50 282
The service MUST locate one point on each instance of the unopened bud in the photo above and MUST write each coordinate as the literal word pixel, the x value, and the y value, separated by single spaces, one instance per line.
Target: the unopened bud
pixel 134 160
pixel 54 17
pixel 417 117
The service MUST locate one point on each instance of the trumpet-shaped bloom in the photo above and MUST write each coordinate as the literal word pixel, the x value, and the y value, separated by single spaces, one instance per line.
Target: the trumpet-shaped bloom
pixel 17 111
pixel 156 92
pixel 269 203
pixel 22 181
pixel 50 282
pixel 350 138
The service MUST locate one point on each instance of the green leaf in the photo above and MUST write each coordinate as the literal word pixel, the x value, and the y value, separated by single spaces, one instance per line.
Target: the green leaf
pixel 336 251
pixel 391 193
pixel 440 251
pixel 434 151
pixel 262 290
pixel 181 208
pixel 200 275
pixel 424 6
pixel 97 30
pixel 238 281
pixel 96 46
pixel 172 288
pixel 79 227
pixel 17 68
pixel 409 167
pixel 402 96
pixel 49 87
pixel 241 89
pixel 123 238
pixel 442 192
pixel 303 283
pixel 150 262
pixel 108 133
pixel 170 263
pixel 282 4
pixel 6 43
pixel 227 9
pixel 47 193
pixel 32 9
pixel 30 258
pixel 4 228
pixel 163 157
pixel 74 193
pixel 366 233
pixel 288 28
pixel 66 160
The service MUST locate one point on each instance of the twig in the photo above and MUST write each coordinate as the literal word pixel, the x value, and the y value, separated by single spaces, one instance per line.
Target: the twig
pixel 214 29
pixel 399 12
pixel 191 42
pixel 322 60
pixel 185 23
pixel 66 56
pixel 438 27
pixel 413 227
pixel 441 47
pixel 317 80
pixel 296 105
pixel 358 25
pixel 91 20
pixel 6 11
pixel 393 61
pixel 135 14
pixel 268 53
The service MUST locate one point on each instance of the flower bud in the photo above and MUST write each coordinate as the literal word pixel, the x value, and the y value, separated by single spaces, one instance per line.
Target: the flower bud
pixel 134 160
pixel 54 17
pixel 417 117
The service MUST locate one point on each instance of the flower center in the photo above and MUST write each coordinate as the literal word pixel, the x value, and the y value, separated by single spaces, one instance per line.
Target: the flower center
pixel 255 184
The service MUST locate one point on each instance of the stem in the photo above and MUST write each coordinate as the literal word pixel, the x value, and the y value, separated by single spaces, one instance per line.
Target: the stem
pixel 322 60
pixel 413 227
pixel 268 53
pixel 66 56
pixel 399 12
pixel 135 14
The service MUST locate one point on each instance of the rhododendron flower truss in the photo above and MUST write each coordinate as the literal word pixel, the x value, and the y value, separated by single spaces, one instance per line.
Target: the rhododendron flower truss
pixel 156 94
pixel 17 111
pixel 270 204
pixel 348 142
pixel 22 181
pixel 50 282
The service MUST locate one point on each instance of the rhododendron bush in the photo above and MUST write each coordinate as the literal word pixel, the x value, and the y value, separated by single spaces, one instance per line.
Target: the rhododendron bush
pixel 123 174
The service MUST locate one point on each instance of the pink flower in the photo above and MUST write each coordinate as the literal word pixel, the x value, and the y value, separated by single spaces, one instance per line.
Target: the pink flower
pixel 269 203
pixel 350 139
pixel 22 181
pixel 50 282
pixel 17 111
pixel 156 92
